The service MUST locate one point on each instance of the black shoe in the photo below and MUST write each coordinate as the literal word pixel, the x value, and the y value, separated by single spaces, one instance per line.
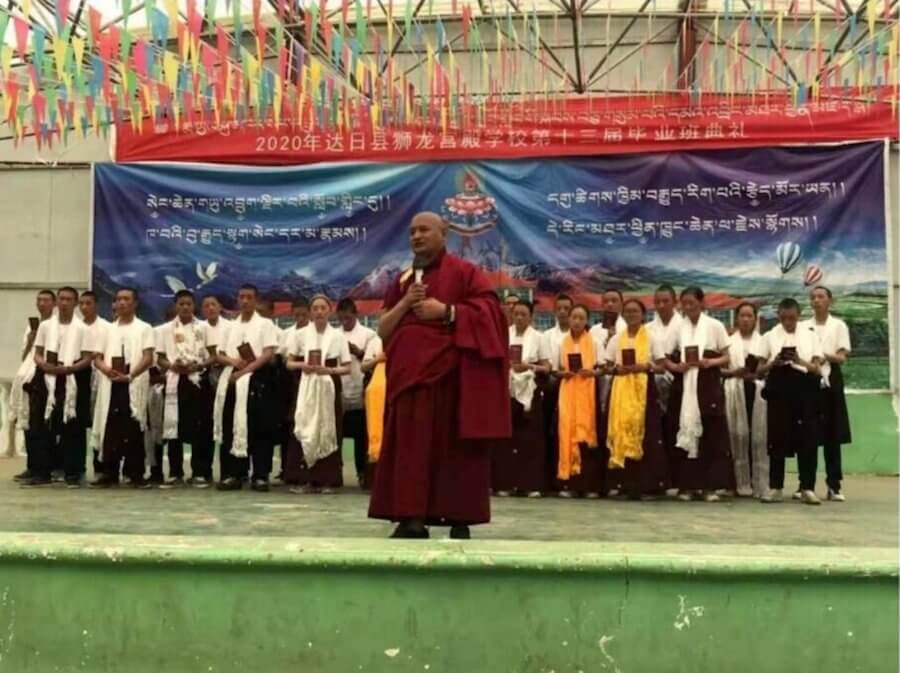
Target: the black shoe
pixel 73 482
pixel 58 477
pixel 172 482
pixel 23 476
pixel 36 481
pixel 199 482
pixel 460 533
pixel 229 484
pixel 403 531
pixel 141 484
pixel 260 485
pixel 104 482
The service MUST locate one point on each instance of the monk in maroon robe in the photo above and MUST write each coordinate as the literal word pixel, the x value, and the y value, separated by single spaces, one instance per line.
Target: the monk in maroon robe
pixel 446 342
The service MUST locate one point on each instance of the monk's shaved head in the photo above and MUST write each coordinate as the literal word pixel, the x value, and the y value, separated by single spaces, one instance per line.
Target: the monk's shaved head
pixel 427 235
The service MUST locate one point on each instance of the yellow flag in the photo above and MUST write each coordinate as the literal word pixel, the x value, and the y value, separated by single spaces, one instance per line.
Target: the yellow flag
pixel 429 70
pixel 376 116
pixel 170 68
pixel 315 75
pixel 277 99
pixel 26 9
pixel 79 129
pixel 60 46
pixel 872 15
pixel 172 11
pixel 6 54
pixel 779 21
pixel 78 48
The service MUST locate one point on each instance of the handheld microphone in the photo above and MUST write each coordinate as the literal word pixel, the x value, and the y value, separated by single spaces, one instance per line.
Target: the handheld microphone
pixel 418 269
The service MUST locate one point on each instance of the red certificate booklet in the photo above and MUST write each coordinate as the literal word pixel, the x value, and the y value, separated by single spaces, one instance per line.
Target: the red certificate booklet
pixel 574 363
pixel 315 358
pixel 245 350
pixel 692 355
pixel 628 357
pixel 515 354
pixel 52 358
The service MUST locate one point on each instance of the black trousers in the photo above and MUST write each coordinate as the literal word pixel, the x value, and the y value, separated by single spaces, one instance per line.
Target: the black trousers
pixel 806 467
pixel 261 446
pixel 833 473
pixel 355 429
pixel 123 441
pixel 73 447
pixel 175 451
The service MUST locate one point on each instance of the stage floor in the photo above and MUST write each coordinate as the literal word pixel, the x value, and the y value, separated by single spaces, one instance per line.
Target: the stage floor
pixel 868 519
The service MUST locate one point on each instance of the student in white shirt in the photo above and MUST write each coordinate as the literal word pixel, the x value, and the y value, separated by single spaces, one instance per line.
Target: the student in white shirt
pixel 792 357
pixel 518 464
pixel 184 359
pixel 94 334
pixel 62 357
pixel 666 325
pixel 317 420
pixel 700 352
pixel 25 384
pixel 834 420
pixel 291 460
pixel 245 418
pixel 553 337
pixel 358 337
pixel 120 415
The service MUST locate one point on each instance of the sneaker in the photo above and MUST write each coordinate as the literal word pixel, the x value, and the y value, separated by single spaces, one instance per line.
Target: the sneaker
pixel 36 481
pixel 229 484
pixel 613 492
pixel 328 491
pixel 772 495
pixel 836 496
pixel 58 477
pixel 501 494
pixel 565 494
pixel 460 533
pixel 73 482
pixel 23 476
pixel 592 495
pixel 172 482
pixel 685 497
pixel 261 485
pixel 712 497
pixel 535 494
pixel 199 482
pixel 139 484
pixel 798 494
pixel 672 492
pixel 306 489
pixel 745 492
pixel 809 498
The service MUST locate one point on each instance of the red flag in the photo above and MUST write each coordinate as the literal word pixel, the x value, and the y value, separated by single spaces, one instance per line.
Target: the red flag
pixel 22 28
pixel 195 20
pixel 256 9
pixel 282 62
pixel 466 17
pixel 140 58
pixel 114 37
pixel 307 26
pixel 345 10
pixel 323 13
pixel 221 42
pixel 453 7
pixel 280 9
pixel 95 20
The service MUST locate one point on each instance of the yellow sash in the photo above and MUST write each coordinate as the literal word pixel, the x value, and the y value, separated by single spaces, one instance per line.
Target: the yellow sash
pixel 628 404
pixel 577 408
pixel 375 396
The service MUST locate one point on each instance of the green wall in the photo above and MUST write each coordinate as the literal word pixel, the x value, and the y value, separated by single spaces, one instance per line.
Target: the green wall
pixel 876 443
pixel 123 605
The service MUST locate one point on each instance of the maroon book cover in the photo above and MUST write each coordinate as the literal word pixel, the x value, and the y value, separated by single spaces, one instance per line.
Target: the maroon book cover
pixel 515 354
pixel 787 353
pixel 692 355
pixel 33 323
pixel 315 358
pixel 574 363
pixel 628 357
pixel 751 363
pixel 52 358
pixel 118 364
pixel 245 350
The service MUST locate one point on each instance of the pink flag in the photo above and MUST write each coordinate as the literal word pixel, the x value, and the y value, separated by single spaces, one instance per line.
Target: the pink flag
pixel 21 28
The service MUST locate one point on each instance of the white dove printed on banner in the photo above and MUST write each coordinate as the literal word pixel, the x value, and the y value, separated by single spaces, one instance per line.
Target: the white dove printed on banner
pixel 205 276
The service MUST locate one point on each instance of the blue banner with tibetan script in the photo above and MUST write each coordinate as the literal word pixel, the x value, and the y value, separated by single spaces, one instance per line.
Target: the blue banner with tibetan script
pixel 744 224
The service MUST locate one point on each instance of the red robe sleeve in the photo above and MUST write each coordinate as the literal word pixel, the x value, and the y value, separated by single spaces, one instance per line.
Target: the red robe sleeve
pixel 482 337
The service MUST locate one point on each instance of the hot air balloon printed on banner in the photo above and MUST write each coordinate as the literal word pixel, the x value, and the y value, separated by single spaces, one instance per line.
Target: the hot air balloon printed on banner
pixel 813 275
pixel 787 255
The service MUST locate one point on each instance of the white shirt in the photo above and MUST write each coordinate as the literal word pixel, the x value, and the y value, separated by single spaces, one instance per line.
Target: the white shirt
pixel 657 349
pixel 374 349
pixel 552 339
pixel 310 339
pixel 94 334
pixel 532 343
pixel 121 339
pixel 217 335
pixel 804 340
pixel 352 383
pixel 72 331
pixel 667 334
pixel 260 333
pixel 288 335
pixel 716 337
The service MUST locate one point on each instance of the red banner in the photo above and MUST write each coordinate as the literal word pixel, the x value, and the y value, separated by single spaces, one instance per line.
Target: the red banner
pixel 568 128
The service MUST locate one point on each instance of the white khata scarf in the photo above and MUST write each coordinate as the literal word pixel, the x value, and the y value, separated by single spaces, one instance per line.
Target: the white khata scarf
pixel 690 422
pixel 522 384
pixel 67 354
pixel 745 443
pixel 186 343
pixel 19 407
pixel 315 425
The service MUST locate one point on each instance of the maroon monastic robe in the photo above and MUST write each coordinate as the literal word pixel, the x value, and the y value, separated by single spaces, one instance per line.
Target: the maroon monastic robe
pixel 447 395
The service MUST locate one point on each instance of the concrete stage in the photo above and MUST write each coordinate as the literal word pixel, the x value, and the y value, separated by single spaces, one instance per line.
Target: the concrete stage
pixel 189 580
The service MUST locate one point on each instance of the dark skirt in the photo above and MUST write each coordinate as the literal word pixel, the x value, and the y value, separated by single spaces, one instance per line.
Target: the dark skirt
pixel 594 476
pixel 713 468
pixel 517 464
pixel 649 475
pixel 792 411
pixel 834 420
pixel 193 403
pixel 425 471
pixel 327 472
